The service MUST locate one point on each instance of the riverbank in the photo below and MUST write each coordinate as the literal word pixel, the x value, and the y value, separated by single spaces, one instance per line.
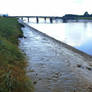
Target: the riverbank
pixel 13 64
pixel 64 44
pixel 55 66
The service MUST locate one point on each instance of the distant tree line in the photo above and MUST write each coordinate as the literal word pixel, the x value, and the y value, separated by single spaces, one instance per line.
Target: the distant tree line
pixel 4 15
pixel 74 16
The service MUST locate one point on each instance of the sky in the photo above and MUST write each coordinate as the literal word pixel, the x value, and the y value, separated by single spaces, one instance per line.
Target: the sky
pixel 44 7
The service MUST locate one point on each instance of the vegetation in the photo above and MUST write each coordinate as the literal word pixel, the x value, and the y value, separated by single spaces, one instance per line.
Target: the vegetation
pixel 13 65
pixel 86 16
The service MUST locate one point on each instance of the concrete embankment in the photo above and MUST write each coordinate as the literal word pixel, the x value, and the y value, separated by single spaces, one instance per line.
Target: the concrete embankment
pixel 55 66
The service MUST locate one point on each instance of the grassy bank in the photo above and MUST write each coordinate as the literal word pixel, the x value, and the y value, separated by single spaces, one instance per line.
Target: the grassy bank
pixel 85 18
pixel 13 65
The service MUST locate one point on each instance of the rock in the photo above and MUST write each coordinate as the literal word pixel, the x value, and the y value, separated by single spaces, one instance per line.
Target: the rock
pixel 78 65
pixel 40 79
pixel 25 37
pixel 32 71
pixel 89 68
pixel 36 74
pixel 20 36
pixel 35 82
pixel 57 73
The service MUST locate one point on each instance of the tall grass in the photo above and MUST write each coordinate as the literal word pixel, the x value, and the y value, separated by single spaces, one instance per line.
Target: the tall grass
pixel 13 65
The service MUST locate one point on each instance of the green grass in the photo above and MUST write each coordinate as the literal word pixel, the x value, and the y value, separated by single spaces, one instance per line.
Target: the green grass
pixel 13 65
pixel 85 18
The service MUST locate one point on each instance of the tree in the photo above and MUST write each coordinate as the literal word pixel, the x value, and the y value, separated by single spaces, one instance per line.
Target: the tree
pixel 86 14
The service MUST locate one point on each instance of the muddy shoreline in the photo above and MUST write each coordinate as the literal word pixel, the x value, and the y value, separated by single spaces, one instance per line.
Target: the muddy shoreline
pixel 85 55
pixel 55 66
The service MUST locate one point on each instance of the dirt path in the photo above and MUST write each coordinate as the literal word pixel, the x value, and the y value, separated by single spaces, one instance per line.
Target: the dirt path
pixel 55 67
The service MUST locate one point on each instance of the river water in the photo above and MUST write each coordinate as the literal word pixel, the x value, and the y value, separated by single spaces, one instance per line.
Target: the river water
pixel 78 35
pixel 52 66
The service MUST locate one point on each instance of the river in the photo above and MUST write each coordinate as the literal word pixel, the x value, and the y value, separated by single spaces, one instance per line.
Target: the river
pixel 78 35
pixel 53 66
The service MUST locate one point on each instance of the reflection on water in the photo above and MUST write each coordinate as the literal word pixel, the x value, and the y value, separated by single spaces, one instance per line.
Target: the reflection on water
pixel 78 35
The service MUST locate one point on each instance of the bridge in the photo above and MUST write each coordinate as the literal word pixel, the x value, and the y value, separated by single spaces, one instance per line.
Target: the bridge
pixel 51 18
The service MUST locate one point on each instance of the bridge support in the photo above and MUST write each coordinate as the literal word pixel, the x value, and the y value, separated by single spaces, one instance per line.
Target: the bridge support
pixel 51 20
pixel 37 19
pixel 45 19
pixel 64 20
pixel 28 19
pixel 21 18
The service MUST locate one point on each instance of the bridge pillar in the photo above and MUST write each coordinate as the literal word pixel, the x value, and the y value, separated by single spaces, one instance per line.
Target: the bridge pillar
pixel 21 18
pixel 37 19
pixel 28 19
pixel 64 20
pixel 45 19
pixel 51 20
pixel 56 20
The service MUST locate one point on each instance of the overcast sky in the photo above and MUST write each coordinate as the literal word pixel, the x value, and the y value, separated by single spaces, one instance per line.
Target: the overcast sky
pixel 45 7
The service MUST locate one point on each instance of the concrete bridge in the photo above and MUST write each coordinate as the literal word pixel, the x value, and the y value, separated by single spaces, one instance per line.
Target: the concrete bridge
pixel 51 18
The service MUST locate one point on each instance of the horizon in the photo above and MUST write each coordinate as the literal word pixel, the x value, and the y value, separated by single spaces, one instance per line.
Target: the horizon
pixel 52 16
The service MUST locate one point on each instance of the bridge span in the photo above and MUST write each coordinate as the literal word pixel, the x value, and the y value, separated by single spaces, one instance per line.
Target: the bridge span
pixel 51 18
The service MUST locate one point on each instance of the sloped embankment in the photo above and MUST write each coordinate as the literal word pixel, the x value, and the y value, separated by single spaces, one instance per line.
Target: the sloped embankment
pixel 13 76
pixel 55 66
